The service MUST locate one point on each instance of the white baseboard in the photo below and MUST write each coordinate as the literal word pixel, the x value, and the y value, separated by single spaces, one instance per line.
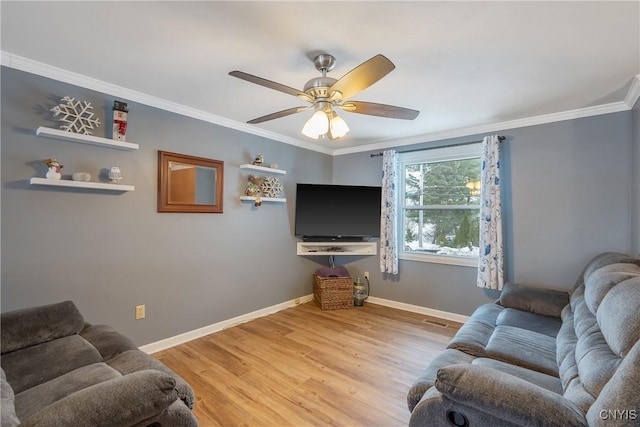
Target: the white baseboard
pixel 216 327
pixel 154 347
pixel 454 317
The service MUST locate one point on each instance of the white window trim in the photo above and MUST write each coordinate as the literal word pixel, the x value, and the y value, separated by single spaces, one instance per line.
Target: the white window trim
pixel 458 152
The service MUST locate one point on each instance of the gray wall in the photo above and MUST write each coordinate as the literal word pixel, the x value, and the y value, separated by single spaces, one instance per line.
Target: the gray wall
pixel 110 252
pixel 635 197
pixel 566 199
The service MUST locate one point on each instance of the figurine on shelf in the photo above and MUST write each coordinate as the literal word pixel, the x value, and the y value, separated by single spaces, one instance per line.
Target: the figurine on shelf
pixel 55 168
pixel 114 174
pixel 259 160
pixel 120 111
pixel 253 188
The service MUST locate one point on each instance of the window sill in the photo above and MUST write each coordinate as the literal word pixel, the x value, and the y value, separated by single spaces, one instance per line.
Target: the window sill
pixel 440 259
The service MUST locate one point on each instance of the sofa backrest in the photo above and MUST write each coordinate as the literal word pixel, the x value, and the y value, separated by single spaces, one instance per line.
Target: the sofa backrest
pixel 30 326
pixel 602 260
pixel 600 334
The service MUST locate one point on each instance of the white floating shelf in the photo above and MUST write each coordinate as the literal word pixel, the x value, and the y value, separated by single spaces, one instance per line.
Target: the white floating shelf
pixel 264 199
pixel 337 248
pixel 264 169
pixel 81 184
pixel 85 139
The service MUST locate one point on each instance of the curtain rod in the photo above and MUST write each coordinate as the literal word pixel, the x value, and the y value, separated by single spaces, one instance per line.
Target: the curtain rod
pixel 500 138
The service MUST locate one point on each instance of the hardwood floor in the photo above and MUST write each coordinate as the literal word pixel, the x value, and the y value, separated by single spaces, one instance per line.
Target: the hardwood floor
pixel 306 367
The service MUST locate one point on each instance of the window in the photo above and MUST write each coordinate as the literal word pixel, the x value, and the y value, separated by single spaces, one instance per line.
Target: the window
pixel 440 205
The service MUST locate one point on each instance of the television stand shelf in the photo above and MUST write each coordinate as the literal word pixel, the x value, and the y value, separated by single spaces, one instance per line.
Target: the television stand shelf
pixel 337 248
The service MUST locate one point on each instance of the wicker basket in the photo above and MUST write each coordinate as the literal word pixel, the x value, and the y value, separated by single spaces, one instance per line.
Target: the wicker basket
pixel 332 293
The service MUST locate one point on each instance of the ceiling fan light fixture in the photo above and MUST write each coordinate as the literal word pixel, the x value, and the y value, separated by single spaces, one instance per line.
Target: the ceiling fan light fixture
pixel 338 127
pixel 317 125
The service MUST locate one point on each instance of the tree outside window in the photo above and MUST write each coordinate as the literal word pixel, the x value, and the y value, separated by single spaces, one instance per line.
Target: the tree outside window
pixel 441 201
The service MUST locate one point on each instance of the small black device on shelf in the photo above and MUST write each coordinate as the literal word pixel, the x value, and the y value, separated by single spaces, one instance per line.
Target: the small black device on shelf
pixel 337 213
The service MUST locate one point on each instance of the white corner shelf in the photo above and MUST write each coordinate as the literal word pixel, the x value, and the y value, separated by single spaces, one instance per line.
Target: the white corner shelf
pixel 264 199
pixel 85 139
pixel 263 169
pixel 337 248
pixel 81 184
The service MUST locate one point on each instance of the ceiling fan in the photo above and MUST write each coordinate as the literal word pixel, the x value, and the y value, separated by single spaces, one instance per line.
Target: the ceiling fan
pixel 326 93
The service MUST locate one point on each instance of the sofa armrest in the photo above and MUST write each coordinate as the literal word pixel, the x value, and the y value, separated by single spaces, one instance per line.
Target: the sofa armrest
pixel 546 302
pixel 107 340
pixel 507 397
pixel 123 401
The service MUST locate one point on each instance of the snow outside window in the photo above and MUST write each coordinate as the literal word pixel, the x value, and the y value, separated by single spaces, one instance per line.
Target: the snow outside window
pixel 439 205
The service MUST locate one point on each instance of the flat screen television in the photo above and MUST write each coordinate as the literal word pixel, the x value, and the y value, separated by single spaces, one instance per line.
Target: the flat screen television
pixel 328 213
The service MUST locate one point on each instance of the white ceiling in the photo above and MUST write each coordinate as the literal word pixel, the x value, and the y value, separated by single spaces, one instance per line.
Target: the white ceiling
pixel 463 65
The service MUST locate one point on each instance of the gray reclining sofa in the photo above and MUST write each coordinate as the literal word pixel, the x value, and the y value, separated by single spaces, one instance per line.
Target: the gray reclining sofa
pixel 542 357
pixel 59 371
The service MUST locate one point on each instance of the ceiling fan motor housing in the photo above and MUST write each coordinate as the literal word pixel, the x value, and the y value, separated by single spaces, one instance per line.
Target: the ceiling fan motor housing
pixel 318 87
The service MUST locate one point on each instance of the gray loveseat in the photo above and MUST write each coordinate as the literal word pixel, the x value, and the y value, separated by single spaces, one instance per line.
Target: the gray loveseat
pixel 543 358
pixel 59 371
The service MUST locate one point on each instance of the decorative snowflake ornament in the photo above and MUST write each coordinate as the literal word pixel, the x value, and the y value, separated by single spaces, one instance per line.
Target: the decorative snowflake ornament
pixel 271 186
pixel 78 116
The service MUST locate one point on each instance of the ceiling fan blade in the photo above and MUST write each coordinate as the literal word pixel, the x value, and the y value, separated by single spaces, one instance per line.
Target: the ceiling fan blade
pixel 382 110
pixel 271 85
pixel 278 115
pixel 361 77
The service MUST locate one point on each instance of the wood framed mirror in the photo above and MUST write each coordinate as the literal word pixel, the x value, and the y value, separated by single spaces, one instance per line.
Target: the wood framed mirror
pixel 189 183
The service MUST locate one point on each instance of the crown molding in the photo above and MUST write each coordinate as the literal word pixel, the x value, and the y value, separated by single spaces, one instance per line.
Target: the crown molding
pixel 627 104
pixel 633 93
pixel 34 67
pixel 597 110
pixel 41 69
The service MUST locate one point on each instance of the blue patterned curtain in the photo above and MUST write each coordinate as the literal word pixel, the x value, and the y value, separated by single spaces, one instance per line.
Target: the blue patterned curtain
pixel 491 260
pixel 389 223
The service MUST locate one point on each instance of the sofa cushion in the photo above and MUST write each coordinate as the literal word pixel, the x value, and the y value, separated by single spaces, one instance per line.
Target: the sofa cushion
pixel 36 325
pixel 122 401
pixel 619 318
pixel 34 399
pixel 547 325
pixel 602 260
pixel 7 405
pixel 546 302
pixel 596 362
pixel 545 381
pixel 40 363
pixel 576 393
pixel 566 342
pixel 601 281
pixel 107 340
pixel 528 349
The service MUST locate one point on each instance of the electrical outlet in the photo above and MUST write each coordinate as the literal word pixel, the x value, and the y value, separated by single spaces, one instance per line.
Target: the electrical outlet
pixel 139 312
pixel 366 275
